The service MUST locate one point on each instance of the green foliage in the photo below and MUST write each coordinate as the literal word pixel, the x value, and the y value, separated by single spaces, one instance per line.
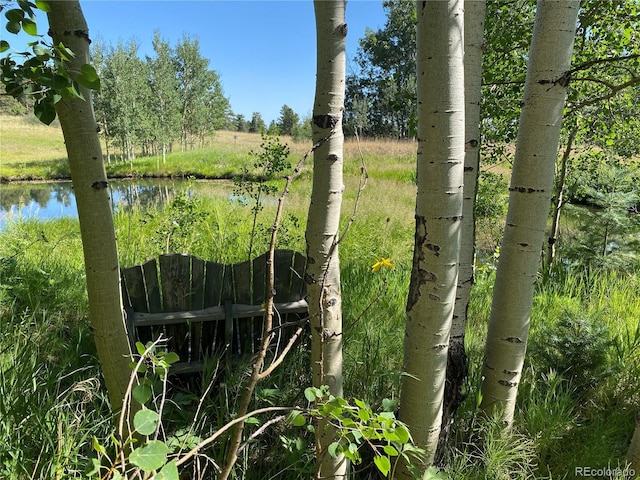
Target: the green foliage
pixel 490 209
pixel 577 347
pixel 492 197
pixel 151 456
pixel 251 188
pixel 358 425
pixel 148 104
pixel 256 125
pixel 609 231
pixel 287 120
pixel 301 131
pixel 177 228
pixel 381 95
pixel 43 73
pixel 548 411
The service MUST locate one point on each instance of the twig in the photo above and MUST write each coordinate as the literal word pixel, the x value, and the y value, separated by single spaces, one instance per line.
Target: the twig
pixel 194 451
pixel 261 430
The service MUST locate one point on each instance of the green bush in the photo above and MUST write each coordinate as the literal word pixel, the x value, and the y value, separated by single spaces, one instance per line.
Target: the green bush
pixel 577 347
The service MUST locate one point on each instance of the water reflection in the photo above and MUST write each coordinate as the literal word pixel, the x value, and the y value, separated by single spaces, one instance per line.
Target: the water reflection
pixel 47 200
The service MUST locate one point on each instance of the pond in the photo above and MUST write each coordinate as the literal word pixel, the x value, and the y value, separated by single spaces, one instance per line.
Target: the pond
pixel 48 200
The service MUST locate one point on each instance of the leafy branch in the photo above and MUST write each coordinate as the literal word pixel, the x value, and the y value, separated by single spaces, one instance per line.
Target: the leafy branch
pixel 43 72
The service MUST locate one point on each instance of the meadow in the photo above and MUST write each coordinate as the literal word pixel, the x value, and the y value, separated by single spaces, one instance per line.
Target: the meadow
pixel 577 403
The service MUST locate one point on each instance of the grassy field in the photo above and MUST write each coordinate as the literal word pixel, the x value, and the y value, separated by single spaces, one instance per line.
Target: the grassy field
pixel 578 398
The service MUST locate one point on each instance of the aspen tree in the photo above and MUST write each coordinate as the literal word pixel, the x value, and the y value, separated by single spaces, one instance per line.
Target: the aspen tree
pixel 68 26
pixel 323 265
pixel 474 15
pixel 529 201
pixel 440 165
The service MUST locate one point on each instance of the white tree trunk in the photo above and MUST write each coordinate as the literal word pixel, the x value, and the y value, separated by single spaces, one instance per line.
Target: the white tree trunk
pixel 474 15
pixel 633 455
pixel 67 25
pixel 529 201
pixel 323 266
pixel 440 164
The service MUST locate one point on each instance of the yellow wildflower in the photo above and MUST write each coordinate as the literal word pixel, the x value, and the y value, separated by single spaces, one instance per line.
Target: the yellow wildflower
pixel 383 263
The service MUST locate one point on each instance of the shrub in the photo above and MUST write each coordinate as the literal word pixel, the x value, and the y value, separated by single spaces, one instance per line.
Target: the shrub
pixel 576 347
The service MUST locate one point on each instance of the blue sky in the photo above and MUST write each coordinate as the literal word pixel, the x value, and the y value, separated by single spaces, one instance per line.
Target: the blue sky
pixel 264 51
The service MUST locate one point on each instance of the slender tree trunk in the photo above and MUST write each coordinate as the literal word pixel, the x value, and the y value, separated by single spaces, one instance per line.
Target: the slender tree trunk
pixel 633 455
pixel 558 202
pixel 67 25
pixel 529 202
pixel 440 164
pixel 323 268
pixel 474 14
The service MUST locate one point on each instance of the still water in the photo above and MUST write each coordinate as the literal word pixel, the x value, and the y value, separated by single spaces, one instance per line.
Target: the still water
pixel 47 200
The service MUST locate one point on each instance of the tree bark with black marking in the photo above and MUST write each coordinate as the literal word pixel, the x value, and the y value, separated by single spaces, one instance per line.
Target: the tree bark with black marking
pixel 529 202
pixel 67 25
pixel 323 265
pixel 440 171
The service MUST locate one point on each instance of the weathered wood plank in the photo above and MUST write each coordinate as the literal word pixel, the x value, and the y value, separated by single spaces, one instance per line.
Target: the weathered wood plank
pixel 152 287
pixel 175 282
pixel 214 281
pixel 298 288
pixel 283 260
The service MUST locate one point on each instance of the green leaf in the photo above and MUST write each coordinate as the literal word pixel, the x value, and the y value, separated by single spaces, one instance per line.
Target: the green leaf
pixel 168 472
pixel 151 456
pixel 334 449
pixel 14 15
pixel 171 357
pixel 311 394
pixel 383 464
pixel 389 405
pixel 403 434
pixel 140 348
pixel 95 470
pixel 89 78
pixel 30 27
pixel 296 418
pixel 364 415
pixel 13 27
pixel 89 72
pixel 42 53
pixel 63 52
pixel 142 393
pixel 98 447
pixel 43 5
pixel 45 111
pixel 4 46
pixel 146 421
pixel 390 450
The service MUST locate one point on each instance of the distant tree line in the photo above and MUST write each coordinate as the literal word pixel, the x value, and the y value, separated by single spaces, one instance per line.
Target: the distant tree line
pixel 287 123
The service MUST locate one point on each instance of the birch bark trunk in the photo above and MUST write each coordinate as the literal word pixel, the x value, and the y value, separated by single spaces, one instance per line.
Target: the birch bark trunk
pixel 68 25
pixel 457 368
pixel 440 170
pixel 529 201
pixel 323 265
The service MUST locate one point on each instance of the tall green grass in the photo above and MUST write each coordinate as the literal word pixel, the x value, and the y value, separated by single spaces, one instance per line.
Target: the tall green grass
pixel 52 401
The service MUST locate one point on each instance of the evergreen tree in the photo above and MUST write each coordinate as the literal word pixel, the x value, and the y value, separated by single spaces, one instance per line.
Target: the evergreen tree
pixel 288 120
pixel 240 123
pixel 256 125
